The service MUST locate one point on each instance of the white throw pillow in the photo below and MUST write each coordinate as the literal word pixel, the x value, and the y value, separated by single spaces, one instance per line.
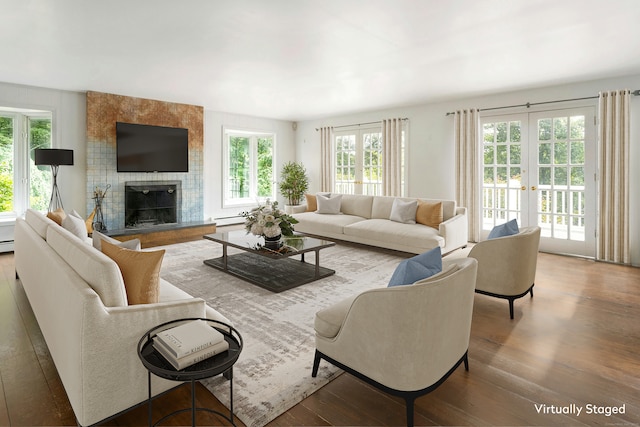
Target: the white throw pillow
pixel 329 205
pixel 404 212
pixel 75 224
pixel 133 244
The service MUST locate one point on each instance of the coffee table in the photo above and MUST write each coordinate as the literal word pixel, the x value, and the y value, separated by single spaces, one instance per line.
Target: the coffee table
pixel 276 271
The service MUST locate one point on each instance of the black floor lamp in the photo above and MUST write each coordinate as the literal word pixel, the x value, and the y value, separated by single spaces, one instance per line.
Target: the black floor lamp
pixel 54 157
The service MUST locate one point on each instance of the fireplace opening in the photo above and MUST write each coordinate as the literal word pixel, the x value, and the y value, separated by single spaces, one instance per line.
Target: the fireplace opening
pixel 151 203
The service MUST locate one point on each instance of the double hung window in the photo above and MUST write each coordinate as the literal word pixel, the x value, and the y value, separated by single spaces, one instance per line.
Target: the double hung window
pixel 248 167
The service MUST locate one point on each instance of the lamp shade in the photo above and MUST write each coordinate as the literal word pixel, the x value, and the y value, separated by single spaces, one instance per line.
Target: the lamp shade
pixel 54 156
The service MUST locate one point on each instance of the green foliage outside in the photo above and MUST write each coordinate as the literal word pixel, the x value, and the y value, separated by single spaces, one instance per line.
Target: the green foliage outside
pixel 240 167
pixel 39 176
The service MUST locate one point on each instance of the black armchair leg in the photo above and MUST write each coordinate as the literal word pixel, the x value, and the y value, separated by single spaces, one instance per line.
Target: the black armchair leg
pixel 410 400
pixel 316 364
pixel 511 308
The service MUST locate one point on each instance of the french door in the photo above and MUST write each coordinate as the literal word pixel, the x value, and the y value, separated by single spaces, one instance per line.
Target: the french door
pixel 358 161
pixel 539 168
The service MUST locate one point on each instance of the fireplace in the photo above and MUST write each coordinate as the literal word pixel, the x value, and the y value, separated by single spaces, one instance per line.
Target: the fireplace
pixel 151 203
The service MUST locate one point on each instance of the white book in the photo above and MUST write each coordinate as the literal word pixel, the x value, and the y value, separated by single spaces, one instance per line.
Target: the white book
pixel 193 358
pixel 189 338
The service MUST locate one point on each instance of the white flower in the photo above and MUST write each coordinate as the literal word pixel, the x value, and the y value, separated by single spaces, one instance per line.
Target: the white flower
pixel 256 229
pixel 272 231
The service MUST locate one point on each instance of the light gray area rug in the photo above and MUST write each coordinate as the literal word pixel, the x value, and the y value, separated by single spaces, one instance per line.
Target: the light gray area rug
pixel 273 372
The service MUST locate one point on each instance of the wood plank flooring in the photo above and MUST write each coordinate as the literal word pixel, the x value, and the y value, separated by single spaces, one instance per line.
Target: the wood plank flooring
pixel 577 342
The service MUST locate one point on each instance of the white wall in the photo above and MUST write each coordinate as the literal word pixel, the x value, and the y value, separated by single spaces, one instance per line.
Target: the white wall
pixel 431 150
pixel 214 122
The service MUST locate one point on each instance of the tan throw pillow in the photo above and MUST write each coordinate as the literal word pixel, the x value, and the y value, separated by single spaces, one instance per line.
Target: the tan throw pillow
pixel 429 214
pixel 140 272
pixel 312 203
pixel 58 216
pixel 89 221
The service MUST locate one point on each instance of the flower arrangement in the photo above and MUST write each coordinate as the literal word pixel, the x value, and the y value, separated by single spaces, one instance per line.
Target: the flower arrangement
pixel 269 221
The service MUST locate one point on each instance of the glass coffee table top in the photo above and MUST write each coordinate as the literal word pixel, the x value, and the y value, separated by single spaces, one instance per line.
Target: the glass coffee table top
pixel 274 270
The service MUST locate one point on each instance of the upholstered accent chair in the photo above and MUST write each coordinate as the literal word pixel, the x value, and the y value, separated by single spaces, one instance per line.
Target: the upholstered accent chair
pixel 405 340
pixel 507 265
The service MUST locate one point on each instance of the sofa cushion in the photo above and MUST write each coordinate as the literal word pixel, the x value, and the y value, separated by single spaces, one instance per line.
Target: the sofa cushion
pixel 417 268
pixel 95 268
pixel 74 223
pixel 381 207
pixel 312 223
pixel 358 205
pixel 429 214
pixel 312 203
pixel 97 238
pixel 140 271
pixel 385 230
pixel 38 222
pixel 404 211
pixel 328 205
pixel 328 321
pixel 507 229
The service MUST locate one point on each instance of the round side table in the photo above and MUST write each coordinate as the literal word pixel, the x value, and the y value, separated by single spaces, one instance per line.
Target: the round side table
pixel 219 364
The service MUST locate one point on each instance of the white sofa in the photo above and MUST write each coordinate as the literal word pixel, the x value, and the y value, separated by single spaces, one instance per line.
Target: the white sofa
pixel 365 219
pixel 77 295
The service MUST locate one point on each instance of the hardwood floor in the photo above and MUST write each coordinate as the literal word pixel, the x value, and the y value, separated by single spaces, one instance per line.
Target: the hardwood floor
pixel 577 342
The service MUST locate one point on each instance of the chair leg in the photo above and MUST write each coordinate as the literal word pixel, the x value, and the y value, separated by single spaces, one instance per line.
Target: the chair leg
pixel 511 308
pixel 466 362
pixel 316 364
pixel 531 291
pixel 409 405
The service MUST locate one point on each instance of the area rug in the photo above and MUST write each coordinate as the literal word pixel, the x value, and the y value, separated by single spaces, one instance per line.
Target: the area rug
pixel 273 372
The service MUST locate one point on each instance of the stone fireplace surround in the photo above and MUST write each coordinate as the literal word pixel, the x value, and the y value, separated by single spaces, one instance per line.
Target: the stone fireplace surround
pixel 103 111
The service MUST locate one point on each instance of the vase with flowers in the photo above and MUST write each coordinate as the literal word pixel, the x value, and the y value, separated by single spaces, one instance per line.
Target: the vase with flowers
pixel 269 222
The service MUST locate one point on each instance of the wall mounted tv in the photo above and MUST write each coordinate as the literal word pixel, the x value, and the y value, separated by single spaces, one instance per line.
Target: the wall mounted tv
pixel 145 148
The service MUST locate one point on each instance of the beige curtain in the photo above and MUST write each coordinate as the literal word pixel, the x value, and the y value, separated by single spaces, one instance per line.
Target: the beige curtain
pixel 392 157
pixel 468 173
pixel 613 166
pixel 326 159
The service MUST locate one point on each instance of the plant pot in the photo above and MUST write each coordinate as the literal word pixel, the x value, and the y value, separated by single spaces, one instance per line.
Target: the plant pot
pixel 273 243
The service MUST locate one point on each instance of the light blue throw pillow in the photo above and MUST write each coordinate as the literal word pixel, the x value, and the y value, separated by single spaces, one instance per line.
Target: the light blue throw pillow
pixel 417 268
pixel 507 229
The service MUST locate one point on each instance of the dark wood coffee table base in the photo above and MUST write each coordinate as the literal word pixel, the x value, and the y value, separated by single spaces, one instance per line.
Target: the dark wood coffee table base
pixel 275 275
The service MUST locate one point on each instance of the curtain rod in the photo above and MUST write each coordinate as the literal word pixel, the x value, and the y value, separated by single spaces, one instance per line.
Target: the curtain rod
pixel 529 104
pixel 362 124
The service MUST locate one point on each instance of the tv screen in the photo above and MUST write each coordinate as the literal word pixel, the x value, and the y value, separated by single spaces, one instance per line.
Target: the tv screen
pixel 145 148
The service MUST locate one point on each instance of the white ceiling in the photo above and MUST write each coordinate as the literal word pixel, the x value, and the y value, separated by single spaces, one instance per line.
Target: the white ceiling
pixel 304 59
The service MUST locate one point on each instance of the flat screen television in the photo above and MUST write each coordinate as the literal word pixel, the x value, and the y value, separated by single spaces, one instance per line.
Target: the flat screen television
pixel 145 148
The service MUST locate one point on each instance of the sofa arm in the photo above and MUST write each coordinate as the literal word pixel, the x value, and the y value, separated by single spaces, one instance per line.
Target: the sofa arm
pixel 455 230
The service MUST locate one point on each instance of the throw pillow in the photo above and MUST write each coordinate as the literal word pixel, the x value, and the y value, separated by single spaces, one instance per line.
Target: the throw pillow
pixel 507 229
pixel 58 215
pixel 417 268
pixel 429 214
pixel 89 221
pixel 312 204
pixel 75 224
pixel 329 205
pixel 404 211
pixel 98 237
pixel 140 272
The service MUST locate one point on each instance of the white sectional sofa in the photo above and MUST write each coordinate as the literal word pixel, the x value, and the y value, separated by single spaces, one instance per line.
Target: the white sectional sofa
pixel 77 294
pixel 365 219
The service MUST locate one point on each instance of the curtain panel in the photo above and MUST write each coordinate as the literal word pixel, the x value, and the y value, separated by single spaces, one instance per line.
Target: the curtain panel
pixel 613 166
pixel 326 159
pixel 392 157
pixel 468 173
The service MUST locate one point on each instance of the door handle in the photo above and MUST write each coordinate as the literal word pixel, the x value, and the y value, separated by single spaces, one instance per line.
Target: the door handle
pixel 534 188
pixel 523 188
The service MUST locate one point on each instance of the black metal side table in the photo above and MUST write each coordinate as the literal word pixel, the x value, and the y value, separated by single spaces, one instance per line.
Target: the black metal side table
pixel 219 364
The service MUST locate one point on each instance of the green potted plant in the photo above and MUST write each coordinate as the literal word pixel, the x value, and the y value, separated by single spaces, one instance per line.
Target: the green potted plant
pixel 294 182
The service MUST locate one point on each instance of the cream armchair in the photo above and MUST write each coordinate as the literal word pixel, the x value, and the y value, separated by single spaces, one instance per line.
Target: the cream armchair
pixel 507 265
pixel 405 340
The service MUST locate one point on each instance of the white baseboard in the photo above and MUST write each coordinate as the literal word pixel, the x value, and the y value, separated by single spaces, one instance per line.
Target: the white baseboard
pixel 6 246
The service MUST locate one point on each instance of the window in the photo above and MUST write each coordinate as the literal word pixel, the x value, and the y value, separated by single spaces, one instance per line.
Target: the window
pixel 23 184
pixel 358 162
pixel 249 173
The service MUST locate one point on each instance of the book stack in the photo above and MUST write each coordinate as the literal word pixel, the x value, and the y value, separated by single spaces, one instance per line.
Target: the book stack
pixel 189 343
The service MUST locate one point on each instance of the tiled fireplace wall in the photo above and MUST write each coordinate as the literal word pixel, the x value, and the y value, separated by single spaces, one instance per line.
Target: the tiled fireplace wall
pixel 103 111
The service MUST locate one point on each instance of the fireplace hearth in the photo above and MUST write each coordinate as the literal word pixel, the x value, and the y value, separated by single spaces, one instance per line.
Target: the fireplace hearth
pixel 151 203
